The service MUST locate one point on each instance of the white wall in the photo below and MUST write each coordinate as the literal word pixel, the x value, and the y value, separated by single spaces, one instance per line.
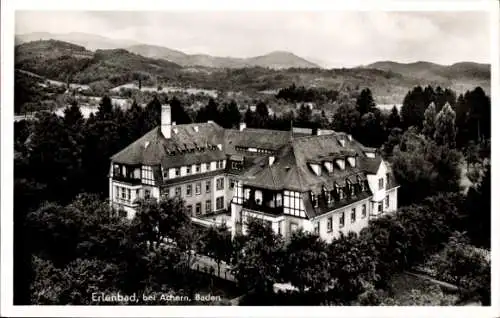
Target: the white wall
pixel 378 195
pixel 356 227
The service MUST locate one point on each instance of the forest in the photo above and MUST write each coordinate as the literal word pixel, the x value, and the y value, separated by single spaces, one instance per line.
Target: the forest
pixel 68 243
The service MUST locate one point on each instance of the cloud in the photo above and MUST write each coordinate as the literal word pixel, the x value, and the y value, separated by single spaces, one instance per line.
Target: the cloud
pixel 337 38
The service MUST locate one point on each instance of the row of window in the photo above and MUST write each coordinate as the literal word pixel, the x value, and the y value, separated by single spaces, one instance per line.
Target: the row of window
pixel 329 223
pixel 197 169
pixel 258 150
pixel 219 185
pixel 124 194
pixel 219 205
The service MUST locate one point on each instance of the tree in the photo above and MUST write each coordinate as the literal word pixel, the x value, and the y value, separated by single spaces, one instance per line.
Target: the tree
pixel 218 245
pixel 445 133
pixel 414 105
pixel 460 264
pixel 394 120
pixel 365 102
pixel 478 210
pixel 179 115
pixel 307 263
pixel 231 115
pixel 259 263
pixel 429 125
pixel 346 118
pixel 352 266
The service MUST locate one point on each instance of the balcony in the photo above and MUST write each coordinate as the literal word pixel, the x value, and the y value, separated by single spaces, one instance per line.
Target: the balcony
pixel 265 208
pixel 128 180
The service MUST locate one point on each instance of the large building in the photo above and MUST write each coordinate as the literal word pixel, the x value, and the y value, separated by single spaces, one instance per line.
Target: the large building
pixel 325 182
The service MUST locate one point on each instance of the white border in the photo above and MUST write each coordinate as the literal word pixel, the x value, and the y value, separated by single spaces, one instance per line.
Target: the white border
pixel 7 31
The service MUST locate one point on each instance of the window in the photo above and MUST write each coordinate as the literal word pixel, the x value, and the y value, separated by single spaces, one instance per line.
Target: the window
pixel 128 194
pixel 380 207
pixel 314 200
pixel 353 215
pixel 177 172
pixel 189 190
pixel 178 191
pixel 231 183
pixel 220 164
pixel 293 204
pixel 117 192
pixel 198 188
pixel 341 194
pixel 124 195
pixel 165 174
pixel 208 206
pixel 189 209
pixel 279 227
pixel 198 209
pixel 207 186
pixel 258 197
pixel 387 201
pixel 147 175
pixel 219 203
pixel 220 184
pixel 197 168
pixel 188 170
pixel 166 193
pixel 342 220
pixel 316 228
pixel 381 183
pixel 147 194
pixel 329 224
pixel 137 193
pixel 363 211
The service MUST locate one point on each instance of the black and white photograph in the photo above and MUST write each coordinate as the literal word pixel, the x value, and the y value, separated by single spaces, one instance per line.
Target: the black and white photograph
pixel 205 158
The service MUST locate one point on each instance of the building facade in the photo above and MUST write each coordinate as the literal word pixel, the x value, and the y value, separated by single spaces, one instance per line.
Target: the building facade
pixel 325 182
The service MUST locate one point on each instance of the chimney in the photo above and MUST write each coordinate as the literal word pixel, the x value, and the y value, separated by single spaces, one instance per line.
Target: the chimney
pixel 349 137
pixel 243 126
pixel 219 146
pixel 166 121
pixel 271 160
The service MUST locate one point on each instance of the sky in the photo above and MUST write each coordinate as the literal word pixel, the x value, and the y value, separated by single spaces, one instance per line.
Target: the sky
pixel 332 39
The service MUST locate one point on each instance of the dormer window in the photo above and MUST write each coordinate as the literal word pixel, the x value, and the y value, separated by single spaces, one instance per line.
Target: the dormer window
pixel 342 141
pixel 328 166
pixel 314 200
pixel 340 163
pixel 316 168
pixel 352 161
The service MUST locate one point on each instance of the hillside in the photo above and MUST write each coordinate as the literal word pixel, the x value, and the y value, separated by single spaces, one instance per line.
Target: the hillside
pixel 427 70
pixel 89 41
pixel 63 61
pixel 273 60
pixel 105 69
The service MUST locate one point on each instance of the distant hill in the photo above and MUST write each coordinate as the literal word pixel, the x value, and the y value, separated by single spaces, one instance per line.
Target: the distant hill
pixel 435 72
pixel 64 61
pixel 389 81
pixel 274 60
pixel 89 41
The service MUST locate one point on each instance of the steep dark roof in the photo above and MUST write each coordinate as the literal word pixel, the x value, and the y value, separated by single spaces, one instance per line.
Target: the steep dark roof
pixel 186 146
pixel 254 138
